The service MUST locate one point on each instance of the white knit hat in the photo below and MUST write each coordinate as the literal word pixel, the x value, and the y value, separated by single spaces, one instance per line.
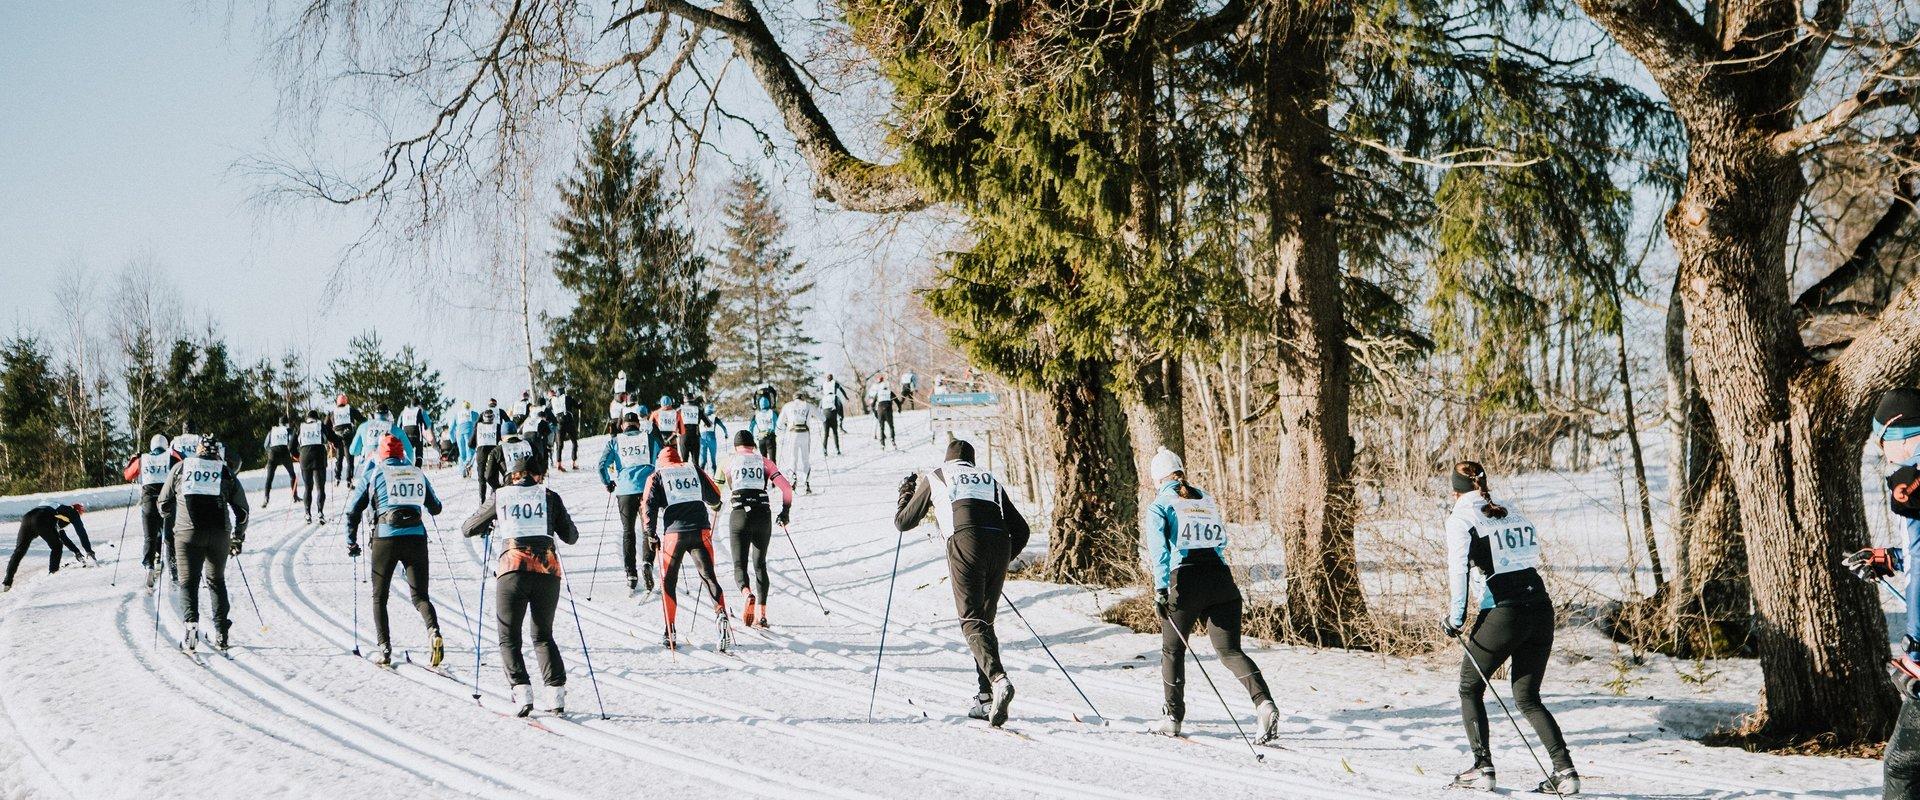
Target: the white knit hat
pixel 1165 463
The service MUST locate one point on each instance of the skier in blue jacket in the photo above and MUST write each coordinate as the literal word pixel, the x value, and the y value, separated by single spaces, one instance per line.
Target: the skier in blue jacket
pixel 367 439
pixel 625 466
pixel 397 492
pixel 1896 427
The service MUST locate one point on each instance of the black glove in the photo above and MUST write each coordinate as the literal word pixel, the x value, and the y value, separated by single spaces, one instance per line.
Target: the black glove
pixel 233 548
pixel 907 485
pixel 1453 631
pixel 353 549
pixel 1160 605
pixel 784 515
pixel 609 487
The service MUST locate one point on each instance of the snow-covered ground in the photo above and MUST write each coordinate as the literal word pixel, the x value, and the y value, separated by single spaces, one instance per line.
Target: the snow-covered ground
pixel 96 706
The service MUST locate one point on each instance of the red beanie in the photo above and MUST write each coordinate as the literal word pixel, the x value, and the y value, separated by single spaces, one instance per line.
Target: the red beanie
pixel 391 447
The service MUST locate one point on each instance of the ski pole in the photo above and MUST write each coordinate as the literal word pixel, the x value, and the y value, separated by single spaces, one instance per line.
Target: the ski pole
pixel 457 596
pixel 114 580
pixel 803 571
pixel 1168 620
pixel 480 611
pixel 249 584
pixel 1488 682
pixel 605 514
pixel 1890 588
pixel 885 618
pixel 356 605
pixel 1056 660
pixel 592 677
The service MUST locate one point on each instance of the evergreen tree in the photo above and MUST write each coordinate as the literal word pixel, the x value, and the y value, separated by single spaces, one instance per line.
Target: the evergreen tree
pixel 639 284
pixel 29 421
pixel 203 387
pixel 368 376
pixel 757 333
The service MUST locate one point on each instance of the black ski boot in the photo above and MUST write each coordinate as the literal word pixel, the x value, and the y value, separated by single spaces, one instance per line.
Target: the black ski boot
pixel 1479 776
pixel 1563 782
pixel 667 639
pixel 982 707
pixel 1002 698
pixel 220 639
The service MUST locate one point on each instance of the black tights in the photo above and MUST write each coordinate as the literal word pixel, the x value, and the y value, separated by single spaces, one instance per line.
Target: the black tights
pixel 401 551
pixel 1223 629
pixel 1524 634
pixel 751 530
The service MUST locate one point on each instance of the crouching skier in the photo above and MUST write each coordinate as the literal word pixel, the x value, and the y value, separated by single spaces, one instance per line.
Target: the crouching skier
pixel 984 530
pixel 1896 428
pixel 676 503
pixel 528 516
pixel 750 524
pixel 1186 542
pixel 195 502
pixel 48 524
pixel 625 467
pixel 398 492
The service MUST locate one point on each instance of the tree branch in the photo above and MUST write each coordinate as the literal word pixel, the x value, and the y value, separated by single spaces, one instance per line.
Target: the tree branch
pixel 1864 101
pixel 1662 35
pixel 1210 28
pixel 1885 355
pixel 1866 252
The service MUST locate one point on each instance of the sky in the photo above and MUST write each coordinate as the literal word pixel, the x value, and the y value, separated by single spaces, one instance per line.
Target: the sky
pixel 126 131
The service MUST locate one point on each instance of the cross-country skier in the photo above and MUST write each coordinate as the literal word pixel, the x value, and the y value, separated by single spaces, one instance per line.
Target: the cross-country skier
pixel 344 419
pixel 909 387
pixel 833 408
pixel 528 517
pixel 464 421
pixel 49 523
pixel 692 418
pixel 521 405
pixel 187 444
pixel 750 521
pixel 279 443
pixel 199 494
pixel 312 444
pixel 984 531
pixel 710 438
pixel 617 409
pixel 398 492
pixel 1515 621
pixel 1186 542
pixel 415 422
pixel 569 417
pixel 149 470
pixel 374 431
pixel 486 448
pixel 517 446
pixel 883 400
pixel 537 426
pixel 665 428
pixel 625 466
pixel 798 418
pixel 676 506
pixel 1896 428
pixel 765 421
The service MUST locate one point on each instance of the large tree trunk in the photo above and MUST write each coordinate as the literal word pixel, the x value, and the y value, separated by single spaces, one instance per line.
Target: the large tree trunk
pixel 1325 604
pixel 1095 511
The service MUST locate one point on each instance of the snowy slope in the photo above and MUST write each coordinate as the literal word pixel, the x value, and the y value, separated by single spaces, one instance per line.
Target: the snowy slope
pixel 96 707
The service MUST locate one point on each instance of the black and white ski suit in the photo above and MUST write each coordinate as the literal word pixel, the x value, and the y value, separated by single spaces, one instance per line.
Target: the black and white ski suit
pixel 984 530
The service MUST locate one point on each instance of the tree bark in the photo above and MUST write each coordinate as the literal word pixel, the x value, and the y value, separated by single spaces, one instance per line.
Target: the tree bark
pixel 1095 512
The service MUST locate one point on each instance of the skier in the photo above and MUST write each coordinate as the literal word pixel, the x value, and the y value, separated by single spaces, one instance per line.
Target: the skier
pixel 187 444
pixel 279 443
pixel 1186 553
pixel 675 505
pixel 984 530
pixel 798 418
pixel 48 523
pixel 620 386
pixel 486 447
pixel 528 516
pixel 692 417
pixel 521 406
pixel 750 521
pixel 1896 428
pixel 415 421
pixel 537 426
pixel 199 493
pixel 149 470
pixel 710 437
pixel 764 421
pixel 666 426
pixel 313 465
pixel 882 399
pixel 1515 622
pixel 397 491
pixel 833 405
pixel 624 468
pixel 372 432
pixel 344 419
pixel 616 410
pixel 569 417
pixel 464 422
pixel 909 386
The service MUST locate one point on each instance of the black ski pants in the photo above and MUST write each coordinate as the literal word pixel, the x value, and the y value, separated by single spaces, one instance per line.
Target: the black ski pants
pixel 750 530
pixel 278 458
pixel 1523 634
pixel 977 568
pixel 629 514
pixel 1223 629
pixel 390 552
pixel 203 555
pixel 521 592
pixel 883 413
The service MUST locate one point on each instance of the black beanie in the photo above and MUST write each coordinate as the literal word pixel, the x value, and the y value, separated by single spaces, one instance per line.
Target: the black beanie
pixel 960 450
pixel 1900 404
pixel 1464 474
pixel 743 438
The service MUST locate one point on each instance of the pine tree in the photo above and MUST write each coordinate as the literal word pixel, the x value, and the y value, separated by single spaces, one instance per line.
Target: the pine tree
pixel 29 421
pixel 369 376
pixel 639 283
pixel 757 330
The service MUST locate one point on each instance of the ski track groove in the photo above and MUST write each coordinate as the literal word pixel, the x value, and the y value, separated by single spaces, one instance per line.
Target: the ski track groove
pixel 651 751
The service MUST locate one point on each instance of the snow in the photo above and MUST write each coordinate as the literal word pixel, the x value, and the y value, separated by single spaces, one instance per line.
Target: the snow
pixel 97 706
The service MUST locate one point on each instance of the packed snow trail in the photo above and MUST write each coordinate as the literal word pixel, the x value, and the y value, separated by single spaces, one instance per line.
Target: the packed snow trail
pixel 97 706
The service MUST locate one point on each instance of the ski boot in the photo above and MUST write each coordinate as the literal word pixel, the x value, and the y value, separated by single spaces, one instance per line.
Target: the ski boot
pixel 384 656
pixel 760 620
pixel 220 639
pixel 559 700
pixel 265 501
pixel 522 699
pixel 1168 725
pixel 1269 722
pixel 667 639
pixel 153 576
pixel 191 641
pixel 1002 698
pixel 726 629
pixel 752 613
pixel 1563 782
pixel 633 584
pixel 309 518
pixel 982 707
pixel 436 647
pixel 1477 777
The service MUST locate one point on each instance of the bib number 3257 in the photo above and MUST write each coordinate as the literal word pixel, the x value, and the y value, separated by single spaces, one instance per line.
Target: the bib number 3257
pixel 1199 525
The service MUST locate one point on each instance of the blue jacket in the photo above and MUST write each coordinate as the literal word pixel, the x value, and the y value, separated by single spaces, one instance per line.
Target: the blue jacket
pixel 372 493
pixel 631 480
pixel 463 422
pixel 368 437
pixel 1157 529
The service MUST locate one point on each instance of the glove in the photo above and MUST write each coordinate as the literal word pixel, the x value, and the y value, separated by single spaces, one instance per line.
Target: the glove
pixel 1452 630
pixel 782 519
pixel 233 548
pixel 353 549
pixel 907 485
pixel 1874 563
pixel 1160 602
pixel 609 487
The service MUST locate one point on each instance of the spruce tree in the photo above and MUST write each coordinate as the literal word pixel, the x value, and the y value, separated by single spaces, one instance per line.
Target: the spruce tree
pixel 757 333
pixel 29 421
pixel 368 376
pixel 639 283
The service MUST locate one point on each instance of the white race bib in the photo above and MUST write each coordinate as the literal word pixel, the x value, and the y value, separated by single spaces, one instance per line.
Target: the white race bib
pixel 520 511
pixel 560 404
pixel 311 434
pixel 1514 544
pixel 186 444
pixel 519 449
pixel 663 422
pixel 1197 524
pixel 153 468
pixel 968 483
pixel 279 436
pixel 763 420
pixel 406 486
pixel 409 416
pixel 630 450
pixel 682 484
pixel 200 476
pixel 690 415
pixel 747 472
pixel 342 415
pixel 488 434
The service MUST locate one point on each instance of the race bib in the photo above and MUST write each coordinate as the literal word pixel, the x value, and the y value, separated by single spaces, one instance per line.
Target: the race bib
pixel 1197 525
pixel 513 450
pixel 311 434
pixel 520 511
pixel 966 483
pixel 200 476
pixel 560 404
pixel 664 422
pixel 682 484
pixel 630 450
pixel 410 416
pixel 748 473
pixel 689 415
pixel 406 486
pixel 1514 546
pixel 343 415
pixel 763 420
pixel 153 469
pixel 278 437
pixel 186 445
pixel 488 435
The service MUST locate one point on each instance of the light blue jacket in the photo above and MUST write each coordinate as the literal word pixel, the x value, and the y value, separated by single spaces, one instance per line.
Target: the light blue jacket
pixel 367 439
pixel 1157 528
pixel 372 493
pixel 631 480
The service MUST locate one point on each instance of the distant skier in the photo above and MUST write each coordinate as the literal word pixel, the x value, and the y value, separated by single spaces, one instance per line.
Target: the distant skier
pixel 520 406
pixel 345 419
pixel 710 438
pixel 666 426
pixel 569 417
pixel 883 400
pixel 983 531
pixel 1186 542
pixel 1515 622
pixel 187 444
pixel 313 465
pixel 798 418
pixel 764 424
pixel 750 521
pixel 617 409
pixel 196 501
pixel 415 422
pixel 538 425
pixel 692 417
pixel 625 466
pixel 528 517
pixel 676 506
pixel 48 523
pixel 279 444
pixel 486 448
pixel 464 421
pixel 366 441
pixel 1896 428
pixel 833 409
pixel 397 492
pixel 149 470
pixel 909 389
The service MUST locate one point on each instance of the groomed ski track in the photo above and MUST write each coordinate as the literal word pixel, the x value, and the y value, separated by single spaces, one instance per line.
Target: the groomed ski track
pixel 97 706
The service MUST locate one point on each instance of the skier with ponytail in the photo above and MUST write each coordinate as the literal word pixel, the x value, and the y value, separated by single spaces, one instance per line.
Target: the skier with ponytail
pixel 1186 540
pixel 1896 429
pixel 1514 622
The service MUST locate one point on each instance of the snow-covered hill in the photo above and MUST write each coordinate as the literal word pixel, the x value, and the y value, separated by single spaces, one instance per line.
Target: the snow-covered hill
pixel 97 705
